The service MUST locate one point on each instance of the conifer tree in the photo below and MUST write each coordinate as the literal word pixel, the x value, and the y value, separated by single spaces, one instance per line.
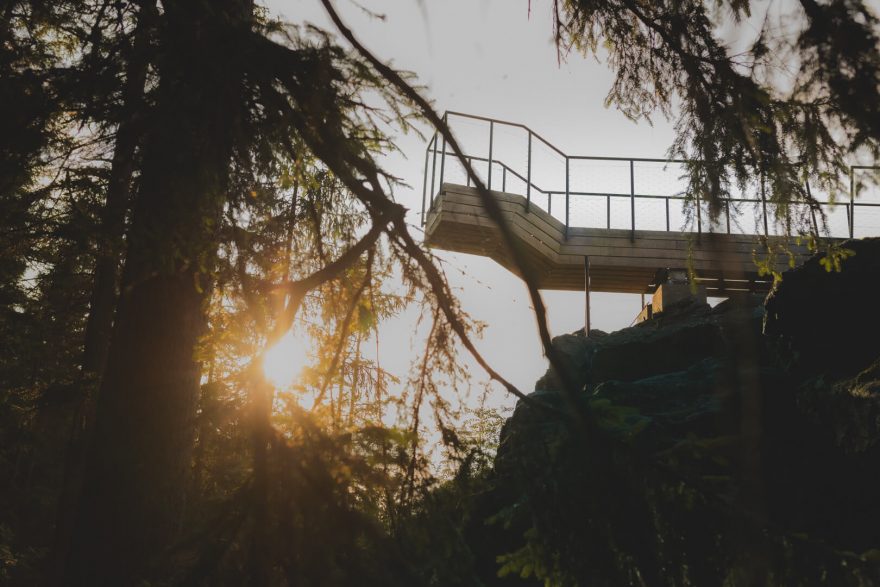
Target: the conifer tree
pixel 201 144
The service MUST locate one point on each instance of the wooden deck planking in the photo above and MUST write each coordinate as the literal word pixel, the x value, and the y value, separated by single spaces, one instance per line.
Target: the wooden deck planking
pixel 457 222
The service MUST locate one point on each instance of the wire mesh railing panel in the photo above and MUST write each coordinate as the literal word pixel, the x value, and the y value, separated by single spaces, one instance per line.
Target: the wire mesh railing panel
pixel 678 215
pixel 747 217
pixel 866 185
pixel 594 176
pixel 705 223
pixel 650 213
pixel 510 146
pixel 556 206
pixel 510 181
pixel 752 190
pixel 799 219
pixel 659 178
pixel 867 220
pixel 837 219
pixel 548 168
pixel 589 211
pixel 455 172
pixel 540 201
pixel 621 213
pixel 472 135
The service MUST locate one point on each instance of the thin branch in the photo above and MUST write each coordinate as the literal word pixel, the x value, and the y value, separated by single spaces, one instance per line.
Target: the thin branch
pixel 344 330
pixel 492 207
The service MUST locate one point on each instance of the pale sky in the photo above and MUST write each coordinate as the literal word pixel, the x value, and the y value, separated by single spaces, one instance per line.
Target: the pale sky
pixel 492 58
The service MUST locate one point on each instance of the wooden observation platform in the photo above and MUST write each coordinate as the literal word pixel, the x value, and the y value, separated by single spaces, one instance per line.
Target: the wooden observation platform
pixel 619 260
pixel 609 224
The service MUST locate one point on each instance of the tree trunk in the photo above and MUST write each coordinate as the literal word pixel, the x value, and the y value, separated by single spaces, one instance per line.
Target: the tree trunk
pixel 102 301
pixel 139 457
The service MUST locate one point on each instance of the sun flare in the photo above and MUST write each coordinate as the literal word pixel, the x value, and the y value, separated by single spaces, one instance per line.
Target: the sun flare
pixel 284 362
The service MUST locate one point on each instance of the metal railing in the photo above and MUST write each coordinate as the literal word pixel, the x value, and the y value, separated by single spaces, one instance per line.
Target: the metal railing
pixel 628 196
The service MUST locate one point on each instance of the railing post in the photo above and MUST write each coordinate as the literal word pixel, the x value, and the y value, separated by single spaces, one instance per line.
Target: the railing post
pixel 586 295
pixel 699 218
pixel 425 185
pixel 491 141
pixel 667 213
pixel 433 169
pixel 632 201
pixel 764 203
pixel 608 211
pixel 812 209
pixel 727 209
pixel 443 155
pixel 852 203
pixel 504 178
pixel 567 203
pixel 550 203
pixel 529 175
pixel 467 176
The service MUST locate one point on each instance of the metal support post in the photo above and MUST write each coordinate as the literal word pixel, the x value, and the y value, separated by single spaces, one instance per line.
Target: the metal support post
pixel 608 212
pixel 852 199
pixel 699 219
pixel 443 161
pixel 491 144
pixel 667 214
pixel 425 187
pixel 433 169
pixel 812 210
pixel 632 201
pixel 587 295
pixel 529 175
pixel 764 203
pixel 567 205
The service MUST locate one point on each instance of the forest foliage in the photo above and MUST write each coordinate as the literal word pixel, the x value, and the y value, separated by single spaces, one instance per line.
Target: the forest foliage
pixel 183 183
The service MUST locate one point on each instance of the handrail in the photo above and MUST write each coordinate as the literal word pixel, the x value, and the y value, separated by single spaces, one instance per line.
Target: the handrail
pixel 554 147
pixel 516 174
pixel 568 192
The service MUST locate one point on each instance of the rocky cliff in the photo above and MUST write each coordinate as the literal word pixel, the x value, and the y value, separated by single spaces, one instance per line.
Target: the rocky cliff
pixel 734 445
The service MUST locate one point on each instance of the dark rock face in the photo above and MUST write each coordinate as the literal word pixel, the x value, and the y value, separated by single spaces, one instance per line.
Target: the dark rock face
pixel 831 320
pixel 576 350
pixel 706 452
pixel 849 409
pixel 636 353
pixel 671 406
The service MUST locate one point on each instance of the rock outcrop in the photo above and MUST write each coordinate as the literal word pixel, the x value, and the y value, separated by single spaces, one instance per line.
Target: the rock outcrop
pixel 830 320
pixel 706 450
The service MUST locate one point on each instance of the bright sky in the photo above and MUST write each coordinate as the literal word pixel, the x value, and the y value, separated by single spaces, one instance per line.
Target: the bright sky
pixel 492 58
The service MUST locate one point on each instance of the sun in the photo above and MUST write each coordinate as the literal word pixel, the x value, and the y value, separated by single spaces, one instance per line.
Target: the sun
pixel 283 363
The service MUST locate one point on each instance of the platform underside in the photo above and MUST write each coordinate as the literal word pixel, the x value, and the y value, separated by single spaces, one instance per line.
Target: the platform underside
pixel 620 260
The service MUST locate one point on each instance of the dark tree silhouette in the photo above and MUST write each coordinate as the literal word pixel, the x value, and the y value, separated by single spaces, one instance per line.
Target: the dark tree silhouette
pixel 790 109
pixel 204 146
